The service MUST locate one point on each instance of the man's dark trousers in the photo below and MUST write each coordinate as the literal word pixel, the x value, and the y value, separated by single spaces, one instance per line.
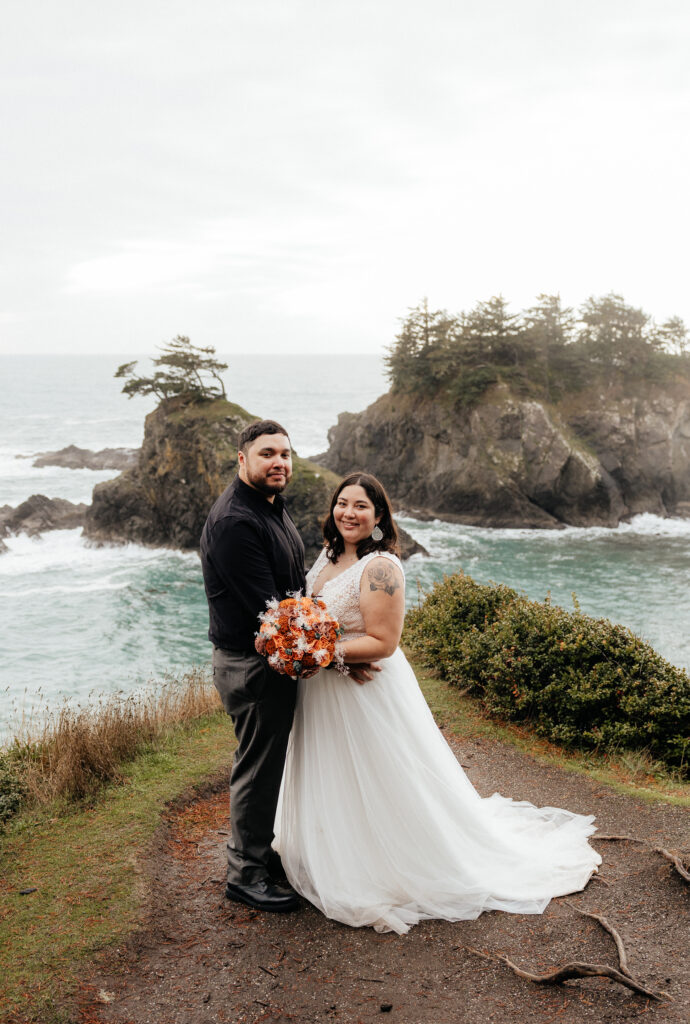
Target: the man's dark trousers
pixel 261 703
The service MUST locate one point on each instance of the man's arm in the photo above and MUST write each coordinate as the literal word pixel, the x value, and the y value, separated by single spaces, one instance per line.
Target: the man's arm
pixel 240 559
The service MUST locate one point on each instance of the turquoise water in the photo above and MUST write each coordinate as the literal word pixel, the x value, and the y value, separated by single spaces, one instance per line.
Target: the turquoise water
pixel 637 574
pixel 76 620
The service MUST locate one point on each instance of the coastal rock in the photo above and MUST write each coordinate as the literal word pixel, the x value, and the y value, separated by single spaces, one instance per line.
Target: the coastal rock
pixel 515 462
pixel 83 458
pixel 187 459
pixel 38 514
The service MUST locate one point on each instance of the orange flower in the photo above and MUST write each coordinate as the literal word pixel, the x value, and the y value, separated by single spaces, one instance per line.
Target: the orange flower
pixel 293 631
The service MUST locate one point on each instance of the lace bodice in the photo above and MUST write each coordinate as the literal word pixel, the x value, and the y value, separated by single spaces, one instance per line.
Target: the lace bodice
pixel 341 593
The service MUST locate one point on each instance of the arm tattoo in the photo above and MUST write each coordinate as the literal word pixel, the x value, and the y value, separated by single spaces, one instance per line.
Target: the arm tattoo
pixel 383 578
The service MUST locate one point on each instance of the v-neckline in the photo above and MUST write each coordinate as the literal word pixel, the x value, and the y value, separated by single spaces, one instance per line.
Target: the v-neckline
pixel 333 578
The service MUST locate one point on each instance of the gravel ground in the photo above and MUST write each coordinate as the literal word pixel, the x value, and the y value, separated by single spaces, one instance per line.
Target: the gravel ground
pixel 199 959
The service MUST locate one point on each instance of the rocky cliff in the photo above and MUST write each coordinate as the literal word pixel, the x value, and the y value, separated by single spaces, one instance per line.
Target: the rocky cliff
pixel 593 459
pixel 188 457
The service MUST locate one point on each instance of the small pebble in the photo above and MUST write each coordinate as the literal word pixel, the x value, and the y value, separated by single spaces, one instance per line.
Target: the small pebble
pixel 386 1007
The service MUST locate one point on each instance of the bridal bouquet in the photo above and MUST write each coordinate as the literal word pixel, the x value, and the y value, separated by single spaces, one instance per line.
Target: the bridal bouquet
pixel 298 636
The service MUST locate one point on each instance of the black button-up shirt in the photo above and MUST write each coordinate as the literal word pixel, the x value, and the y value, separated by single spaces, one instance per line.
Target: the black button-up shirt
pixel 250 552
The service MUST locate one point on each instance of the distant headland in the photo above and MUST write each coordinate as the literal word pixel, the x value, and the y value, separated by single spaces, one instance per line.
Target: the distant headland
pixel 507 420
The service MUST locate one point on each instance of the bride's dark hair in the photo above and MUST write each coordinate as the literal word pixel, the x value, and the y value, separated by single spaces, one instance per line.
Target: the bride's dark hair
pixel 377 495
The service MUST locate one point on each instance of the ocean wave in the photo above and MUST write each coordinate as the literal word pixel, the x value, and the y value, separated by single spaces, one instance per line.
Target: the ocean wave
pixel 442 534
pixel 19 479
pixel 69 550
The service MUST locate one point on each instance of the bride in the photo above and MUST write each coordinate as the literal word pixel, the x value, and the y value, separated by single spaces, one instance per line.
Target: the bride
pixel 377 823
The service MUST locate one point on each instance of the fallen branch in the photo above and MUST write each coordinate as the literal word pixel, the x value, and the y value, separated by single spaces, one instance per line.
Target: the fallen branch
pixel 578 969
pixel 572 970
pixel 676 860
pixel 608 927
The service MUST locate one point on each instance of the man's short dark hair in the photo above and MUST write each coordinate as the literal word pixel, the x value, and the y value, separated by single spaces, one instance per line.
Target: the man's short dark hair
pixel 256 429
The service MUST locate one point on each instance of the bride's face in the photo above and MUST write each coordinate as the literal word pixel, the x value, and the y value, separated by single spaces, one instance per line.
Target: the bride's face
pixel 354 514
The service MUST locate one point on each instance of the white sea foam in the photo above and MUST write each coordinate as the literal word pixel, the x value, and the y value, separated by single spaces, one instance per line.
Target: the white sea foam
pixel 68 550
pixel 19 479
pixel 438 535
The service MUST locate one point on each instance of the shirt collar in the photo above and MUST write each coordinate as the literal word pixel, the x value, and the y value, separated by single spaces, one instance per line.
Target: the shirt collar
pixel 257 499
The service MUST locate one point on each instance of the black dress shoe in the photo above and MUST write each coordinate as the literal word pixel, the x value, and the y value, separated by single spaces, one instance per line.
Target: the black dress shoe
pixel 263 895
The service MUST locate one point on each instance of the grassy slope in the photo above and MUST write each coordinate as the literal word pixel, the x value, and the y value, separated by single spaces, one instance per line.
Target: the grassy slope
pixel 84 860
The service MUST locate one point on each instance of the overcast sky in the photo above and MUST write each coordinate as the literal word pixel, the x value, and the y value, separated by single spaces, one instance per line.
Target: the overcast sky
pixel 292 175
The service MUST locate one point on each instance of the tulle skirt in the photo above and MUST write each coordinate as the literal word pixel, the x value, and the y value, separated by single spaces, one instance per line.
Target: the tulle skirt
pixel 378 825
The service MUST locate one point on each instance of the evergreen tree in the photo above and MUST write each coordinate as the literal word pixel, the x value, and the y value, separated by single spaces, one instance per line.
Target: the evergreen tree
pixel 187 368
pixel 549 327
pixel 673 336
pixel 492 334
pixel 413 360
pixel 614 334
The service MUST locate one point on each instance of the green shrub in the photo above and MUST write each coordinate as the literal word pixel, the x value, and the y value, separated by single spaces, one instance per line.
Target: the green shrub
pixel 579 681
pixel 12 789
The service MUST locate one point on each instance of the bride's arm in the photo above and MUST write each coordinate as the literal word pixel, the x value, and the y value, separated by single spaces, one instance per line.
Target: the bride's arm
pixel 382 603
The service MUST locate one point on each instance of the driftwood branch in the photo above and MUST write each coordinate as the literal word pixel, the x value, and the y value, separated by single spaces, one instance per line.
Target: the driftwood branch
pixel 578 969
pixel 608 927
pixel 572 970
pixel 676 860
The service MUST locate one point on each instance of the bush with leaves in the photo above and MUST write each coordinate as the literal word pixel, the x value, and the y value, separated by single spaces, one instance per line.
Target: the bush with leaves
pixel 579 681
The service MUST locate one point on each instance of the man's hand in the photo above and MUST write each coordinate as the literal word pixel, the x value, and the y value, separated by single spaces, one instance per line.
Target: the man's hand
pixel 309 672
pixel 365 672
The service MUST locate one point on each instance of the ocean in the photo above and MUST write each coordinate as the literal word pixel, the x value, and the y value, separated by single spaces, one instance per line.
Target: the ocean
pixel 78 622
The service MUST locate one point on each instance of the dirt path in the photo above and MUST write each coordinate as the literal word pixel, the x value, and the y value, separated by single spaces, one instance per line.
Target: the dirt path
pixel 199 959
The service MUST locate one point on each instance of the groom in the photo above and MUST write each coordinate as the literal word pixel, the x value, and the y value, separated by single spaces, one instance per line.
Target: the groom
pixel 251 552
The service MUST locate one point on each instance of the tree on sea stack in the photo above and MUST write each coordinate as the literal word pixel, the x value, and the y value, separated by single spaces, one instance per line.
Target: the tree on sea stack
pixel 185 375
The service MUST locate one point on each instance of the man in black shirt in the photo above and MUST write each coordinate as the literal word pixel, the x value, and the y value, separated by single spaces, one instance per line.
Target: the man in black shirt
pixel 251 552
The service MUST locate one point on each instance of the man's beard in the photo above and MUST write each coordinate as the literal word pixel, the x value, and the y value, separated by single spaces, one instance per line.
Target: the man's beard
pixel 268 487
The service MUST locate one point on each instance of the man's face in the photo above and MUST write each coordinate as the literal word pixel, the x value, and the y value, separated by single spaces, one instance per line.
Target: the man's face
pixel 266 465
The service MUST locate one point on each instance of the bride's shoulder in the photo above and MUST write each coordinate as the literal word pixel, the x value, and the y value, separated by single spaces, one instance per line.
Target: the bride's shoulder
pixel 382 570
pixel 320 558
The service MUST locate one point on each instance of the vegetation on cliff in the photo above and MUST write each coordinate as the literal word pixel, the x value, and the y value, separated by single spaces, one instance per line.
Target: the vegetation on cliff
pixel 544 352
pixel 538 419
pixel 578 681
pixel 188 458
pixel 186 373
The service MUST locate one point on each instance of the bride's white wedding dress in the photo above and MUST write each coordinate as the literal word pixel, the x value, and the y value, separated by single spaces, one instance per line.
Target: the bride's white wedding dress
pixel 377 823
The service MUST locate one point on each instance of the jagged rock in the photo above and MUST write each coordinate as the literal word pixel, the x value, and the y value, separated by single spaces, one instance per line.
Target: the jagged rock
pixel 187 459
pixel 83 458
pixel 408 545
pixel 510 461
pixel 39 513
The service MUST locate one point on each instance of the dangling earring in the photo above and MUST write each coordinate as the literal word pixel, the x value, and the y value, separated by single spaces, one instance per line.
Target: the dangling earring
pixel 377 533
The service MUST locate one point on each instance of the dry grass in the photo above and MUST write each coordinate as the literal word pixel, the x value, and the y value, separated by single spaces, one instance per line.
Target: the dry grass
pixel 74 750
